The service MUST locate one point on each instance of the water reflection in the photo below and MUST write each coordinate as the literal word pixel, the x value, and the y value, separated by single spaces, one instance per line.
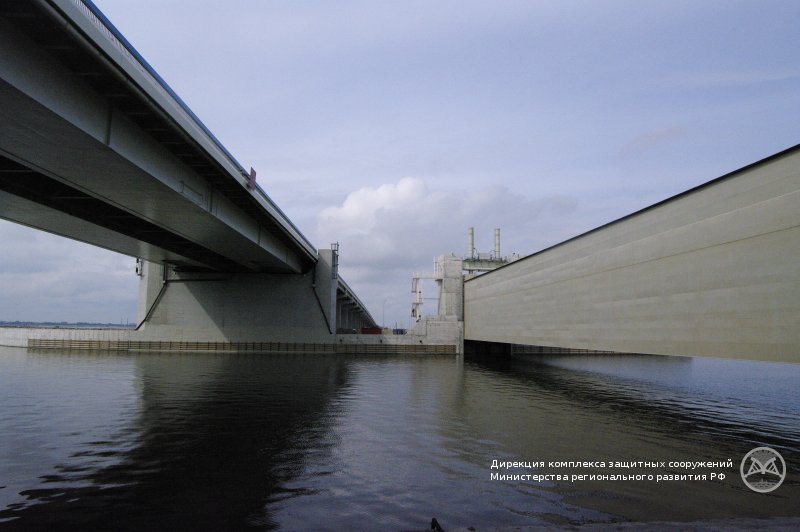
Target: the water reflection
pixel 212 442
pixel 213 437
pixel 643 408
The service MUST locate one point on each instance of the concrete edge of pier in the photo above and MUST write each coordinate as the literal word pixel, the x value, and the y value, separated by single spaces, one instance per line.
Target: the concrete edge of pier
pixel 128 340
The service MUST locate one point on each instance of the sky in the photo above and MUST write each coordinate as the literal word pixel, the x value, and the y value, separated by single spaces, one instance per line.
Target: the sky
pixel 393 127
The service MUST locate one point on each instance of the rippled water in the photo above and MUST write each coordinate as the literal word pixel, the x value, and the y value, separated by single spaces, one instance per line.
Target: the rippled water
pixel 214 442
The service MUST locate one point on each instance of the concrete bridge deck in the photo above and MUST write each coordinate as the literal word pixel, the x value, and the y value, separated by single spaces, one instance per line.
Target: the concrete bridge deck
pixel 96 147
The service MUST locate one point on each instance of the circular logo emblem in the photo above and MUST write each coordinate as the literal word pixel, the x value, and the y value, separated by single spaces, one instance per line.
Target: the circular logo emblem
pixel 763 469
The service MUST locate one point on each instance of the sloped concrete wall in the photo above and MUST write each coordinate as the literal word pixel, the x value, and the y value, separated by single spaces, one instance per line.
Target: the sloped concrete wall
pixel 712 272
pixel 239 307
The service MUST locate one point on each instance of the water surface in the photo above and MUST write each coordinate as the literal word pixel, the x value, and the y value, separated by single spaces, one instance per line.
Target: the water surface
pixel 213 441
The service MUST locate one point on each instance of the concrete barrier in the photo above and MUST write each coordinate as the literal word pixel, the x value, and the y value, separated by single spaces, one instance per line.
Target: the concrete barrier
pixel 710 272
pixel 126 340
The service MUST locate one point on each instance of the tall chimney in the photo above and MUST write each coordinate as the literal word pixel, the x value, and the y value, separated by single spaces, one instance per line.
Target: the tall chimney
pixel 471 243
pixel 497 243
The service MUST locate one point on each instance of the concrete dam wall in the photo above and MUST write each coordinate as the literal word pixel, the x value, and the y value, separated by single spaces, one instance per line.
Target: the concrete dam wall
pixel 714 271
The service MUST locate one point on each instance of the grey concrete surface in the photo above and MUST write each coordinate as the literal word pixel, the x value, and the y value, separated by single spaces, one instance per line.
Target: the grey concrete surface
pixel 72 138
pixel 711 272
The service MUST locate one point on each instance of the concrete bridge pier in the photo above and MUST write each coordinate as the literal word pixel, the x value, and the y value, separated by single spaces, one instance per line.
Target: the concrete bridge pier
pixel 240 306
pixel 349 316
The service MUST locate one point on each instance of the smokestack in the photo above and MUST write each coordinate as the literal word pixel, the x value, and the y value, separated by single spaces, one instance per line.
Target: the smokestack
pixel 471 243
pixel 497 243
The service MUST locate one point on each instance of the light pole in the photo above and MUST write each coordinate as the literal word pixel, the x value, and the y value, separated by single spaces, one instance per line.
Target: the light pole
pixel 383 313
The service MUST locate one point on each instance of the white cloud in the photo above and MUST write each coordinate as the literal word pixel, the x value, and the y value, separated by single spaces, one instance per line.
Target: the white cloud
pixel 358 213
pixel 389 231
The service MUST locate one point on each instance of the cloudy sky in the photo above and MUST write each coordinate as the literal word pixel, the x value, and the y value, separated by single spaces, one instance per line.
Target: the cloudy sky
pixel 391 127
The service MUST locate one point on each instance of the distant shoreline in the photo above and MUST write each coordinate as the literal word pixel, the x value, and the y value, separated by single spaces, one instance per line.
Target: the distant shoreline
pixel 66 325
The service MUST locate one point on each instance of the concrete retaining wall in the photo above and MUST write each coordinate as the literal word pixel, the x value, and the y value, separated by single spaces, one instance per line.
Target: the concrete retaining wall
pixel 712 272
pixel 126 340
pixel 446 336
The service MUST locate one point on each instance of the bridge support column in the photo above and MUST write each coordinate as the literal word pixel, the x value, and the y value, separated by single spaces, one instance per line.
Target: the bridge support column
pixel 151 282
pixel 238 307
pixel 348 316
pixel 326 280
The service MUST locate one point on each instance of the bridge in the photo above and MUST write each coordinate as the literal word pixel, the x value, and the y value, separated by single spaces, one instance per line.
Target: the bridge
pixel 714 271
pixel 96 147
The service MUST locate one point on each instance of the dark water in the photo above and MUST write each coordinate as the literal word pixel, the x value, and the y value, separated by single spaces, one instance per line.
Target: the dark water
pixel 308 442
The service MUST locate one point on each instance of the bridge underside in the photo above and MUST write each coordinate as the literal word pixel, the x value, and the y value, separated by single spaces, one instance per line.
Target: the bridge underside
pixel 36 200
pixel 94 146
pixel 80 145
pixel 711 272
